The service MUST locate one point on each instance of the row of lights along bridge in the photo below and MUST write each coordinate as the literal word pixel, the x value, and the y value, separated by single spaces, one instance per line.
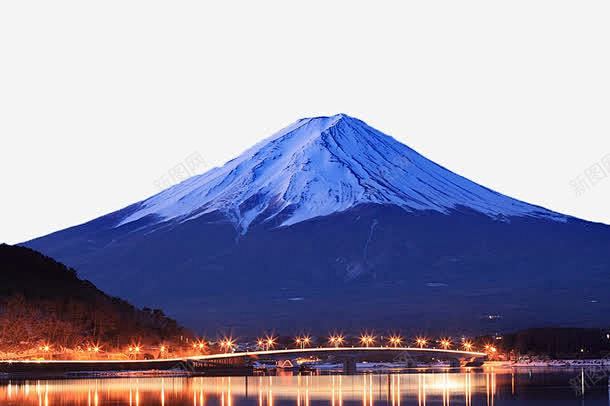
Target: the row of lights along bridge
pixel 270 342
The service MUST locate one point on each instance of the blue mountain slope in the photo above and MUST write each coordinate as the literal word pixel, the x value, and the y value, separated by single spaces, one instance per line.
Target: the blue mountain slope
pixel 331 222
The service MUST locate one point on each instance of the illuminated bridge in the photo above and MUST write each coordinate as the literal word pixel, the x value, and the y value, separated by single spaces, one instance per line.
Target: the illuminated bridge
pixel 349 356
pixel 215 364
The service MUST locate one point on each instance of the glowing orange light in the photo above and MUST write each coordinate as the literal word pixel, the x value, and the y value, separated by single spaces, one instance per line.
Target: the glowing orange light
pixel 227 344
pixel 445 343
pixel 336 340
pixel 94 347
pixel 270 342
pixel 306 340
pixel 395 341
pixel 199 345
pixel 367 339
pixel 302 341
pixel 45 347
pixel 467 345
pixel 266 343
pixel 134 348
pixel 421 342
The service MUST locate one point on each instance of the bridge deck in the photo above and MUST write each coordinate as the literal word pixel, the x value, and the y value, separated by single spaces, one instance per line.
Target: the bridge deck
pixel 234 359
pixel 296 352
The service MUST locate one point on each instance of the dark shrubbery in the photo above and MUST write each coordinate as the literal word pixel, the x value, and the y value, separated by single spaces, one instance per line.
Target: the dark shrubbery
pixel 43 300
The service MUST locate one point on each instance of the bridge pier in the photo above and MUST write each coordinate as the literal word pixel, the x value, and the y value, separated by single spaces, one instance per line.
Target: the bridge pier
pixel 477 362
pixel 349 365
pixel 455 363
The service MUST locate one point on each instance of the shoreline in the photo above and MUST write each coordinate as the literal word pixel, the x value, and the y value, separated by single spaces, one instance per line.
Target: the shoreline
pixel 363 368
pixel 559 363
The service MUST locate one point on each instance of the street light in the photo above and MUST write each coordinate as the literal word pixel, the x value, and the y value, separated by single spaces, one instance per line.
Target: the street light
pixel 302 341
pixel 445 343
pixel 490 348
pixel 135 346
pixel 395 341
pixel 94 347
pixel 367 339
pixel 199 345
pixel 270 343
pixel 336 340
pixel 227 344
pixel 134 349
pixel 421 342
pixel 467 345
pixel 267 343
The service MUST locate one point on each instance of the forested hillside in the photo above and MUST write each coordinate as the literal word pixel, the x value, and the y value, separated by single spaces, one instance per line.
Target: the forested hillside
pixel 42 300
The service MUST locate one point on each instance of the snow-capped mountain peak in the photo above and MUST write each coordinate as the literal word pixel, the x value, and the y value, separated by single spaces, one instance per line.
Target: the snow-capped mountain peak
pixel 323 165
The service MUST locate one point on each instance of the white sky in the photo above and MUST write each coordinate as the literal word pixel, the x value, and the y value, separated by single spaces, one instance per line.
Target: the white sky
pixel 98 100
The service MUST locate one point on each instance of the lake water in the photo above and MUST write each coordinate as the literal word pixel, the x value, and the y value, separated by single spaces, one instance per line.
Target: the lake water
pixel 482 387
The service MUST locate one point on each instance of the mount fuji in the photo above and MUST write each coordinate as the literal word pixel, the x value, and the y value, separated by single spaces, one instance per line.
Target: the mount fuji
pixel 330 223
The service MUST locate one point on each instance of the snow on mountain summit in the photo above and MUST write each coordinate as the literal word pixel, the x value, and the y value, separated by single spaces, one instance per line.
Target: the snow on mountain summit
pixel 323 165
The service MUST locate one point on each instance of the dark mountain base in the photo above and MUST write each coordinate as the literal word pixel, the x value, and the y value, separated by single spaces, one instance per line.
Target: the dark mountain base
pixel 369 267
pixel 42 300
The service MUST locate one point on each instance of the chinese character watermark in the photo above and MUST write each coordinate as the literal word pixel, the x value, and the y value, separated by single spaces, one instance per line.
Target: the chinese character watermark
pixel 190 166
pixel 590 377
pixel 591 176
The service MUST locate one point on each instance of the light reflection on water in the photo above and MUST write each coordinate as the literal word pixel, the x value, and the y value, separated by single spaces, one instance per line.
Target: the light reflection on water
pixel 460 388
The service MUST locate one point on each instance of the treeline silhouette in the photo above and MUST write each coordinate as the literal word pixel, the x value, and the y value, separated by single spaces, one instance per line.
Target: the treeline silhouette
pixel 558 342
pixel 42 300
